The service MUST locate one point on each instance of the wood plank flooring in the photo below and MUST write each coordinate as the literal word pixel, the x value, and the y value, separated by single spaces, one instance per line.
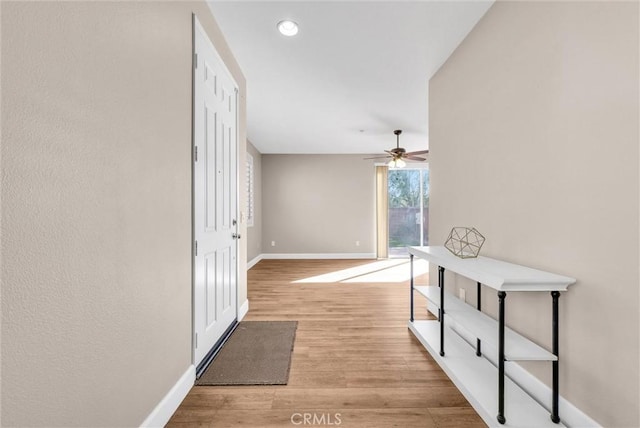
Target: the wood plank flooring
pixel 355 363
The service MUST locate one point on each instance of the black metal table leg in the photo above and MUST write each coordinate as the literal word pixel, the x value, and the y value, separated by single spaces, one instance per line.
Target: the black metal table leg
pixel 501 296
pixel 479 307
pixel 555 416
pixel 441 285
pixel 411 285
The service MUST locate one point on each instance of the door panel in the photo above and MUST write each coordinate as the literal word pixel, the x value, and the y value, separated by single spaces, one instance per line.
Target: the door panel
pixel 209 159
pixel 224 279
pixel 215 197
pixel 211 297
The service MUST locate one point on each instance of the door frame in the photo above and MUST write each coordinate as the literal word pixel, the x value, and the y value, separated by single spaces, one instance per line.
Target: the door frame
pixel 196 26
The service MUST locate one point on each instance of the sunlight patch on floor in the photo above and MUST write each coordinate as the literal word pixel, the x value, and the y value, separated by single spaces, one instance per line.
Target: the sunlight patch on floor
pixel 390 270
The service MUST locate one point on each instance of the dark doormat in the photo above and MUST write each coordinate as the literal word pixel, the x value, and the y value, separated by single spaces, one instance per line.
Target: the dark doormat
pixel 257 353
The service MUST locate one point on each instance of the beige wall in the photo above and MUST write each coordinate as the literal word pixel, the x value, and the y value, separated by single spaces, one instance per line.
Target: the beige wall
pixel 534 141
pixel 96 214
pixel 318 204
pixel 254 233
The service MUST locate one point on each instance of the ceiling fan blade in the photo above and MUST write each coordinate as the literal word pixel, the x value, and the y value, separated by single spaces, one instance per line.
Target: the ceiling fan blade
pixel 398 152
pixel 378 157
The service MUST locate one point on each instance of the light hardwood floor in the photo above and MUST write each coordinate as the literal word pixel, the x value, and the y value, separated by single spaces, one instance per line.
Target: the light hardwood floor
pixel 353 356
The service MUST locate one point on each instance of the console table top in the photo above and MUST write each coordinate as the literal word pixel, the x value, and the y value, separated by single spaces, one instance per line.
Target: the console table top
pixel 497 274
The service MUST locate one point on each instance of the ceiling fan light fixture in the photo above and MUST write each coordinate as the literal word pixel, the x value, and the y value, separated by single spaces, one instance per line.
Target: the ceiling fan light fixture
pixel 397 163
pixel 288 28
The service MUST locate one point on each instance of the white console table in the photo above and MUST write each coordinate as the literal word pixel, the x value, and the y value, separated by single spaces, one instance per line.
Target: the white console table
pixel 473 374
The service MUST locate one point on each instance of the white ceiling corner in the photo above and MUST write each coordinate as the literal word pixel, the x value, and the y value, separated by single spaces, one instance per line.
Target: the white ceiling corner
pixel 356 71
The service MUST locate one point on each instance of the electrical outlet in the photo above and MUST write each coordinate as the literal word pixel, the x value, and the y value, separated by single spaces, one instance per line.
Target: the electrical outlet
pixel 463 294
pixel 357 243
pixel 273 243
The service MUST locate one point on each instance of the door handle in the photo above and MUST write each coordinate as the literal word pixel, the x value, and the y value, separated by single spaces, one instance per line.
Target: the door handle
pixel 235 236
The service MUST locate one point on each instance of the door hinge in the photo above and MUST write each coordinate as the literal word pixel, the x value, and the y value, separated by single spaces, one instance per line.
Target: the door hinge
pixel 195 60
pixel 196 340
pixel 196 248
pixel 195 155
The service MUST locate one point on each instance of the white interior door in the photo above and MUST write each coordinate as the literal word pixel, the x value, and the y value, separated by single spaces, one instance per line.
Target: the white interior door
pixel 215 196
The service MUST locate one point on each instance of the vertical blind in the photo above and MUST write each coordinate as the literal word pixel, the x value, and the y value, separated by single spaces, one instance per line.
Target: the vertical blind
pixel 382 202
pixel 250 190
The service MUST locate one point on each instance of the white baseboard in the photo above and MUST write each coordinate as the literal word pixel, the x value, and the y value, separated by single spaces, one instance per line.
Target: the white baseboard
pixel 570 415
pixel 254 261
pixel 319 256
pixel 242 311
pixel 161 414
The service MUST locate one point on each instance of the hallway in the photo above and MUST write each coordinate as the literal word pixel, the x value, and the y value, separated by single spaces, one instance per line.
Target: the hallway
pixel 355 363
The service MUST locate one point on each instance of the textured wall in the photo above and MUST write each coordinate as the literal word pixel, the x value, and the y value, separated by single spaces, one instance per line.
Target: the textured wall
pixel 254 233
pixel 534 141
pixel 96 207
pixel 318 204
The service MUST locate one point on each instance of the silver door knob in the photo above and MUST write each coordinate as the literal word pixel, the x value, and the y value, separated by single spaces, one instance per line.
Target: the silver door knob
pixel 235 236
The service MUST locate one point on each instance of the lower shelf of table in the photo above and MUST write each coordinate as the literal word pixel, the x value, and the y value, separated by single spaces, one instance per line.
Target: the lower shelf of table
pixel 477 379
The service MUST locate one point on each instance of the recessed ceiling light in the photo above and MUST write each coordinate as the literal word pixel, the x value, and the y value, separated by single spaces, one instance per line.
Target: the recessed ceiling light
pixel 288 28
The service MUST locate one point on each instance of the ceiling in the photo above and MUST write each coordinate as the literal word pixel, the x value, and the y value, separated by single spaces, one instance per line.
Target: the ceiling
pixel 356 70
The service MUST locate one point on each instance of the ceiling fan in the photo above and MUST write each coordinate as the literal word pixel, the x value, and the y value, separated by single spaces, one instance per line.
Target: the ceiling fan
pixel 398 154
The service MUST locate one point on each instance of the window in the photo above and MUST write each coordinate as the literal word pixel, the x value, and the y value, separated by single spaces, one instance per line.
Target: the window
pixel 408 205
